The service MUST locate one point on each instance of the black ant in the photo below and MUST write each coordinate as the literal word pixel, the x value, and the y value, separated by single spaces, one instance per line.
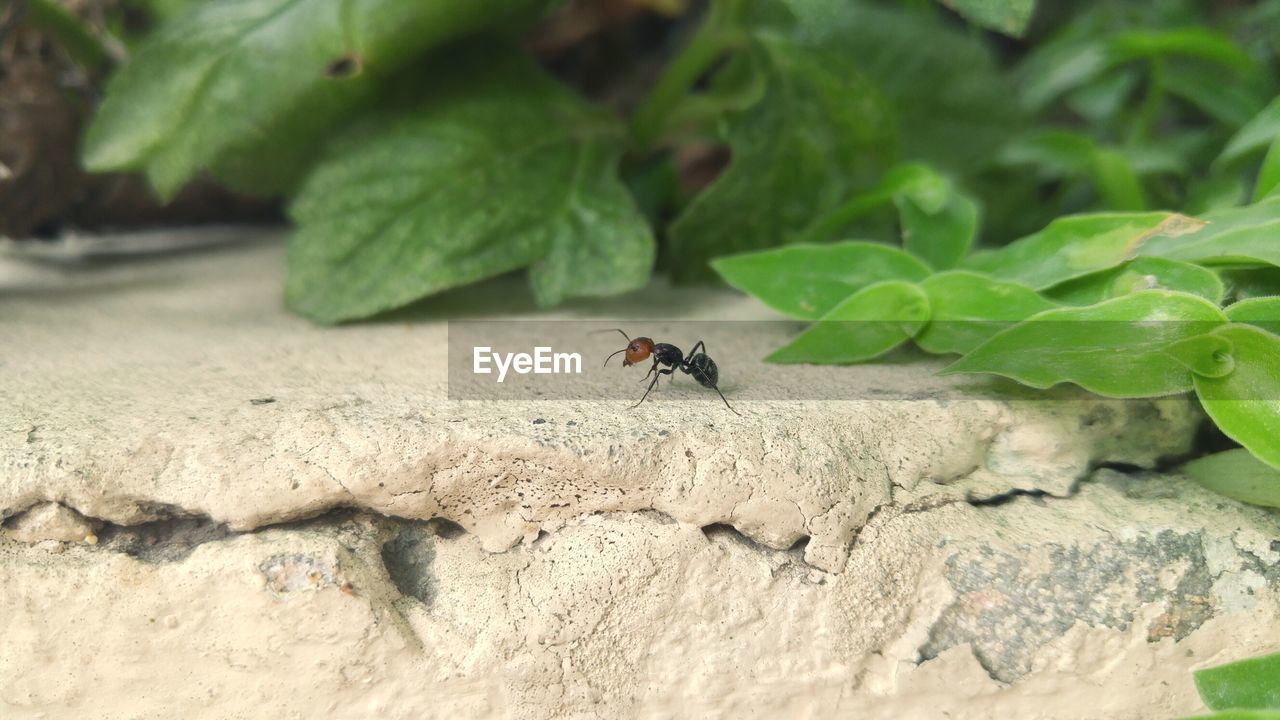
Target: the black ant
pixel 698 364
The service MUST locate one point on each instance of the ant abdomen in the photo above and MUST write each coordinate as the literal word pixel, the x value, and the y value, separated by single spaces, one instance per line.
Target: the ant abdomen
pixel 703 369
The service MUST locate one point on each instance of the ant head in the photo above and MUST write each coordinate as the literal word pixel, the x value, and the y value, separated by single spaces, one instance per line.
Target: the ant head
pixel 637 351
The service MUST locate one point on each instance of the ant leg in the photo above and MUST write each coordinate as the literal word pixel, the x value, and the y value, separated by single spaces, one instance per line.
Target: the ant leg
pixel 726 401
pixel 651 369
pixel 700 345
pixel 656 377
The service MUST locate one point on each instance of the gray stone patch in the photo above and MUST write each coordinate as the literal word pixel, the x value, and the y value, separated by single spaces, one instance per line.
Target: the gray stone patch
pixel 408 557
pixel 1007 607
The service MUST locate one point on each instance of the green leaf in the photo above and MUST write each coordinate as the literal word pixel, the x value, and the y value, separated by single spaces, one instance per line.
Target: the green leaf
pixel 1257 134
pixel 1075 246
pixel 1232 103
pixel 1196 42
pixel 1137 275
pixel 1116 182
pixel 799 146
pixel 941 237
pixel 846 86
pixel 255 84
pixel 1269 174
pixel 1240 715
pixel 938 222
pixel 499 168
pixel 1007 16
pixel 1248 282
pixel 1263 312
pixel 1243 235
pixel 1239 476
pixel 807 281
pixel 1115 348
pixel 867 324
pixel 968 309
pixel 1245 405
pixel 1068 61
pixel 1243 685
pixel 1207 355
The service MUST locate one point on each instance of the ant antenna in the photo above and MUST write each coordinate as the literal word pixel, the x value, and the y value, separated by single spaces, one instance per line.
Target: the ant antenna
pixel 606 360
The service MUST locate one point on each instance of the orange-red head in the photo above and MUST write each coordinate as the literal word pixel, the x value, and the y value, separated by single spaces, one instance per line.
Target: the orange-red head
pixel 637 350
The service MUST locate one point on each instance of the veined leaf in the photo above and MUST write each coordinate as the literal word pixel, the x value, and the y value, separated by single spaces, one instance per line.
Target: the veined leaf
pixel 1137 275
pixel 968 309
pixel 1239 476
pixel 1245 404
pixel 846 85
pixel 499 168
pixel 1243 685
pixel 250 86
pixel 867 324
pixel 1116 348
pixel 1075 246
pixel 807 281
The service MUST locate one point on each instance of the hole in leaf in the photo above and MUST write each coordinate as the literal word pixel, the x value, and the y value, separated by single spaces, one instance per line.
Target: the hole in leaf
pixel 344 67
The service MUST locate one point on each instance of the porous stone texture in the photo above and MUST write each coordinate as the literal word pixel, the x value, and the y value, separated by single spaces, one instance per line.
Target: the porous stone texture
pixel 295 521
pixel 1098 605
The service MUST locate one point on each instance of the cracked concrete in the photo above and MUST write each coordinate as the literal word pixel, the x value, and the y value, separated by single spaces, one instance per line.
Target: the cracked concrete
pixel 181 383
pixel 213 507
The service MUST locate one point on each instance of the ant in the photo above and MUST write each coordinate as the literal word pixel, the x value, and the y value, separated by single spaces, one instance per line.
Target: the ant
pixel 698 364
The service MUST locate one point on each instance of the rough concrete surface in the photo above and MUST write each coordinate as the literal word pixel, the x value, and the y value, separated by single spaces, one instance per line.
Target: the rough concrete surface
pixel 216 508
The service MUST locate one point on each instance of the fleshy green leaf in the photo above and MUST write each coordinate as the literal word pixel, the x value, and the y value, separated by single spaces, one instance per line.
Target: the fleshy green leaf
pixel 868 324
pixel 1007 16
pixel 1251 282
pixel 1244 685
pixel 968 309
pixel 1263 312
pixel 1075 246
pixel 1232 236
pixel 250 86
pixel 1245 405
pixel 1115 348
pixel 1208 355
pixel 1239 476
pixel 1137 275
pixel 807 281
pixel 499 168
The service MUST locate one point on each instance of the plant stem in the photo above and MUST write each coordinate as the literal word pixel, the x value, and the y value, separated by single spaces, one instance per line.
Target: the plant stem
pixel 718 34
pixel 70 33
